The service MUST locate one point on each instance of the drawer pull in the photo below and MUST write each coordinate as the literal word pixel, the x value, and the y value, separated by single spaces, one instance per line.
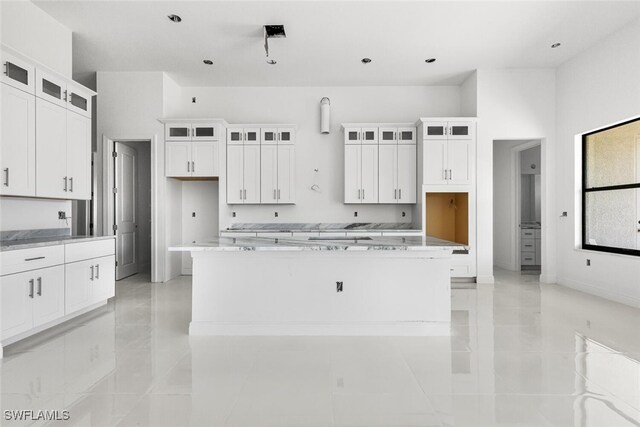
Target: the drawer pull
pixel 30 288
pixel 33 259
pixel 39 292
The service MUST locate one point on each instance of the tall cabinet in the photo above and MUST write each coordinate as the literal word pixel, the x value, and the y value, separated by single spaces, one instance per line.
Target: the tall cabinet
pixel 192 148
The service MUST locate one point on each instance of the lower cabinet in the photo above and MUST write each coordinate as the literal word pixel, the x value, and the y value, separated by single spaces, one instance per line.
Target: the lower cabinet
pixel 31 299
pixel 89 282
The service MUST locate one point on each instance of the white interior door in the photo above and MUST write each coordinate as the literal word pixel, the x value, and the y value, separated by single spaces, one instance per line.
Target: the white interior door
pixel 286 173
pixel 79 156
pixel 51 150
pixel 406 173
pixel 352 173
pixel 269 173
pixel 126 174
pixel 387 181
pixel 251 191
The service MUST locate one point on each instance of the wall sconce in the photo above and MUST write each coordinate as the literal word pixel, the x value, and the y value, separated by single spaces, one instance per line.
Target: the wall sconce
pixel 325 115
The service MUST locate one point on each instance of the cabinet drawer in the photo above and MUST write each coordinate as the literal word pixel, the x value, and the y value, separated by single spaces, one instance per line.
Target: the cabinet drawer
pixel 528 233
pixel 528 245
pixel 528 258
pixel 30 259
pixel 87 250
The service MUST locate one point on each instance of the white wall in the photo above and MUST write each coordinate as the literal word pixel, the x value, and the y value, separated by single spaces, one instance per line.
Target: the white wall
pixel 469 96
pixel 514 104
pixel 301 106
pixel 597 88
pixel 26 214
pixel 199 198
pixel 530 161
pixel 29 30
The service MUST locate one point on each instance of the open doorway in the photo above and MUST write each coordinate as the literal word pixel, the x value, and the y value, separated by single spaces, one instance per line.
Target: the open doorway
pixel 518 205
pixel 132 207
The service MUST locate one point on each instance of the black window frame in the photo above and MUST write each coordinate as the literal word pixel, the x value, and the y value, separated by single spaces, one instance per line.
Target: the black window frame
pixel 585 190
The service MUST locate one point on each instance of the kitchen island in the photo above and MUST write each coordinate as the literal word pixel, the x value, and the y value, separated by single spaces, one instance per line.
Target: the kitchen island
pixel 321 286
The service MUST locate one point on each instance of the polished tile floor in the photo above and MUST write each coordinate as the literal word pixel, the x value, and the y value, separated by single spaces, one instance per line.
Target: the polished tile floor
pixel 521 354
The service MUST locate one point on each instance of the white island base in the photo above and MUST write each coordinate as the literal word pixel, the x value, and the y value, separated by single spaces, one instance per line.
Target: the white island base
pixel 283 292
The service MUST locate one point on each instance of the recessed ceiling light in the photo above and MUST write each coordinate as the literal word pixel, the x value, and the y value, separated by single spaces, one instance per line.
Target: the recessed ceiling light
pixel 208 61
pixel 271 62
pixel 174 18
pixel 365 60
pixel 430 60
pixel 555 45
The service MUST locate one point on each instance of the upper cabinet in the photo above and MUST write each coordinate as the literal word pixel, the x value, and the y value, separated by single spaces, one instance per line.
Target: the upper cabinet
pixel 46 122
pixel 191 131
pixel 448 152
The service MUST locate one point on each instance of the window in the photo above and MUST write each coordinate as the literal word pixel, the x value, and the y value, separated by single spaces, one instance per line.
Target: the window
pixel 611 189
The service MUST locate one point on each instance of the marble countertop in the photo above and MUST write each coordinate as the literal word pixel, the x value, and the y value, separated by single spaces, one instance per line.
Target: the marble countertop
pixel 314 244
pixel 12 245
pixel 317 226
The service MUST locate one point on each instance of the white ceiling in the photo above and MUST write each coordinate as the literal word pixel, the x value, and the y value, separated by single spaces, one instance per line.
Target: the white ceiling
pixel 326 40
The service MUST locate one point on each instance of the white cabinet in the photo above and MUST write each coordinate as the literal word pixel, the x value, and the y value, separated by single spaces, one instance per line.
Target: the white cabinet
pixel 407 173
pixel 397 135
pixel 79 99
pixel 243 174
pixel 89 282
pixel 448 130
pixel 361 174
pixel 447 162
pixel 31 299
pixel 191 131
pixel 18 143
pixel 277 173
pixel 251 174
pixel 192 159
pixel 18 73
pixel 63 152
pixel 397 178
pixel 361 135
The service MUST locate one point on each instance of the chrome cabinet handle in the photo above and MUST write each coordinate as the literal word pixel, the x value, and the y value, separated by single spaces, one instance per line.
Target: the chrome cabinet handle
pixel 65 183
pixel 6 67
pixel 240 194
pixel 65 96
pixel 97 271
pixel 30 288
pixel 91 268
pixel 33 259
pixel 278 194
pixel 39 286
pixel 6 179
pixel 274 194
pixel 363 194
pixel 193 166
pixel 358 194
pixel 71 184
pixel 245 194
pixel 395 194
pixel 188 166
pixel 450 174
pixel 400 194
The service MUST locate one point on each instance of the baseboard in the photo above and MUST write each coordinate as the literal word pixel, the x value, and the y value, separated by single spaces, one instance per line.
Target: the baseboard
pixel 418 329
pixel 485 280
pixel 594 290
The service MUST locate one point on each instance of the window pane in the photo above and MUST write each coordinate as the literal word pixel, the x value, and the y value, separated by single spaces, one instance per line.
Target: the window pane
pixel 612 218
pixel 612 156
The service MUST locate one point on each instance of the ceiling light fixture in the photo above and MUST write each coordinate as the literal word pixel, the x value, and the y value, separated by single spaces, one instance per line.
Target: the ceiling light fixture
pixel 430 60
pixel 271 62
pixel 555 45
pixel 174 18
pixel 208 61
pixel 366 60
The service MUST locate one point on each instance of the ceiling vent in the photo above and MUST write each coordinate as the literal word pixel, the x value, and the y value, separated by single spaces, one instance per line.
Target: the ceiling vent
pixel 272 32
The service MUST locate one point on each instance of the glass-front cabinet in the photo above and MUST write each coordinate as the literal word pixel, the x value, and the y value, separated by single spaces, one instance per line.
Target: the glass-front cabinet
pixel 17 73
pixel 193 132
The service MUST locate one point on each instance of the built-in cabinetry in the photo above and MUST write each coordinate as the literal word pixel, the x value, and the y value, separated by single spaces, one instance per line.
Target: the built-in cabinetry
pixel 380 163
pixel 530 247
pixel 446 174
pixel 261 164
pixel 192 148
pixel 43 286
pixel 46 121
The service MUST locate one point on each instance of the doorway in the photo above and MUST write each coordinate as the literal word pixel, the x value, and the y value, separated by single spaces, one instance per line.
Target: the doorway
pixel 518 205
pixel 132 207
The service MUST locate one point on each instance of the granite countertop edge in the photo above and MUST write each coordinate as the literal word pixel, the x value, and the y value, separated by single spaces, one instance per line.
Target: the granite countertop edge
pixel 13 245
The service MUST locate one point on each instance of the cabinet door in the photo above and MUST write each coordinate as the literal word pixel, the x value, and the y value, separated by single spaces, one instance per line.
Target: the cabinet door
pixel 51 88
pixel 407 173
pixel 235 136
pixel 251 191
pixel 18 73
pixel 18 143
pixel 286 136
pixel 269 135
pixel 458 161
pixel 269 173
pixel 103 285
pixel 177 132
pixel 369 174
pixel 369 135
pixel 204 131
pixel 286 173
pixel 388 174
pixel 352 136
pixel 388 135
pixel 79 100
pixel 434 130
pixel 18 291
pixel 78 156
pixel 51 150
pixel 434 162
pixel 352 173
pixel 252 136
pixel 78 277
pixel 406 135
pixel 48 303
pixel 178 159
pixel 461 130
pixel 204 158
pixel 235 167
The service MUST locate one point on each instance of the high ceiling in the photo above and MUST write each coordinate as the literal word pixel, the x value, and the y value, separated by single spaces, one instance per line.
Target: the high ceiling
pixel 326 40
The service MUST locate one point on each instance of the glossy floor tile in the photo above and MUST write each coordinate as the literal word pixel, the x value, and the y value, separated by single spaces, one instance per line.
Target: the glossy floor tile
pixel 521 353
